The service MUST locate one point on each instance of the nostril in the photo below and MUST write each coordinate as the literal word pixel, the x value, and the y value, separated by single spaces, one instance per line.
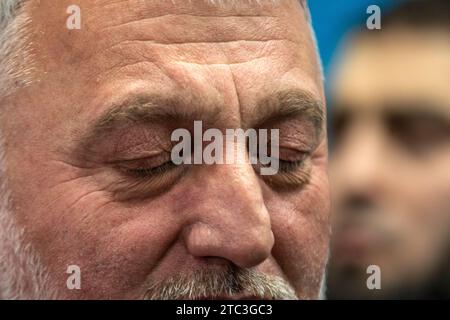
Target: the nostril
pixel 257 250
pixel 217 261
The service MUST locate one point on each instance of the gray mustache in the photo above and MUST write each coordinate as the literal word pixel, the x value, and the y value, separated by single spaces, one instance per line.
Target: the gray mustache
pixel 231 282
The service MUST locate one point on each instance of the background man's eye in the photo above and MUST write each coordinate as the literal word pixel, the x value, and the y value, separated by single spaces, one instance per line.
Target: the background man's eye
pixel 421 133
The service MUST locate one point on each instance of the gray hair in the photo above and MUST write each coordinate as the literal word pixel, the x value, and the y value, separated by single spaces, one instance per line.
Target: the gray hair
pixel 230 281
pixel 8 9
pixel 15 62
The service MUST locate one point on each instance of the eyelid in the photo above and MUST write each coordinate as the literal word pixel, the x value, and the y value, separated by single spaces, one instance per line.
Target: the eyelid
pixel 134 184
pixel 292 174
pixel 299 145
pixel 154 154
pixel 140 188
pixel 146 168
pixel 148 172
pixel 292 155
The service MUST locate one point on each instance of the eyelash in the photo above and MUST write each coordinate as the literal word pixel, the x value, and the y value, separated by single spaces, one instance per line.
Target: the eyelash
pixel 285 166
pixel 289 166
pixel 149 172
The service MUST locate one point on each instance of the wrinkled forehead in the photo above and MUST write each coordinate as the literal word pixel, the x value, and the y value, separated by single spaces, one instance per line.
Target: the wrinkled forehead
pixel 213 49
pixel 111 26
pixel 169 21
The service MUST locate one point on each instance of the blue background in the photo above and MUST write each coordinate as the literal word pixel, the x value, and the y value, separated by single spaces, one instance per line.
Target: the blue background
pixel 332 19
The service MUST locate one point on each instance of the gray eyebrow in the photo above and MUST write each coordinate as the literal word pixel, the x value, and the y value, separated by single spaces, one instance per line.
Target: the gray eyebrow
pixel 290 104
pixel 147 108
pixel 144 108
pixel 284 105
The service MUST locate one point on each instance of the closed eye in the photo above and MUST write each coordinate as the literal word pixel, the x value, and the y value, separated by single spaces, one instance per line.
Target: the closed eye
pixel 289 166
pixel 292 174
pixel 141 179
pixel 146 172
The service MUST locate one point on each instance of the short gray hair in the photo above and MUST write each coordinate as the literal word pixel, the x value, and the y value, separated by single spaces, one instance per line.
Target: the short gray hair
pixel 14 55
pixel 8 8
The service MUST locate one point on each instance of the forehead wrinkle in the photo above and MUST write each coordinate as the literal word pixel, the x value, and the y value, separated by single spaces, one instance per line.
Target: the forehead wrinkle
pixel 199 8
pixel 220 54
pixel 186 15
pixel 168 21
pixel 200 31
pixel 150 39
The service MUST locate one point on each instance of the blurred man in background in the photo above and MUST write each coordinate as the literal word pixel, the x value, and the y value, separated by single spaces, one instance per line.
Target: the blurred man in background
pixel 390 169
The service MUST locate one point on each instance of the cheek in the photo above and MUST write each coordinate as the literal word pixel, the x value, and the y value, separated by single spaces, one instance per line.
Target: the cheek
pixel 421 202
pixel 428 215
pixel 76 223
pixel 424 193
pixel 300 222
pixel 128 247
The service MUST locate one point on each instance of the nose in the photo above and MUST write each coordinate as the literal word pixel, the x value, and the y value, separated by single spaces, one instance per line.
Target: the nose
pixel 361 168
pixel 231 221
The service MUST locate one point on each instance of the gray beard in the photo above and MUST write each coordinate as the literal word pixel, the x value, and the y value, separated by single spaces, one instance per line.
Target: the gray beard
pixel 22 275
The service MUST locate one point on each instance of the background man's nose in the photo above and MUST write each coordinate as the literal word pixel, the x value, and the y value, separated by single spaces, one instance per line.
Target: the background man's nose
pixel 361 165
pixel 231 221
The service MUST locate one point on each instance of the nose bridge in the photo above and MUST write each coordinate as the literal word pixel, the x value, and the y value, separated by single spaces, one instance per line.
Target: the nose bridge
pixel 232 221
pixel 365 154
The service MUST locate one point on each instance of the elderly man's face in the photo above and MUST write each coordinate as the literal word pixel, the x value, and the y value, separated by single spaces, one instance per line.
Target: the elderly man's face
pixel 95 188
pixel 390 171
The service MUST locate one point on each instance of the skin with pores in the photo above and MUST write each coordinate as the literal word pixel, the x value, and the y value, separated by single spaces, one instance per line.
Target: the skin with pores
pixel 80 189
